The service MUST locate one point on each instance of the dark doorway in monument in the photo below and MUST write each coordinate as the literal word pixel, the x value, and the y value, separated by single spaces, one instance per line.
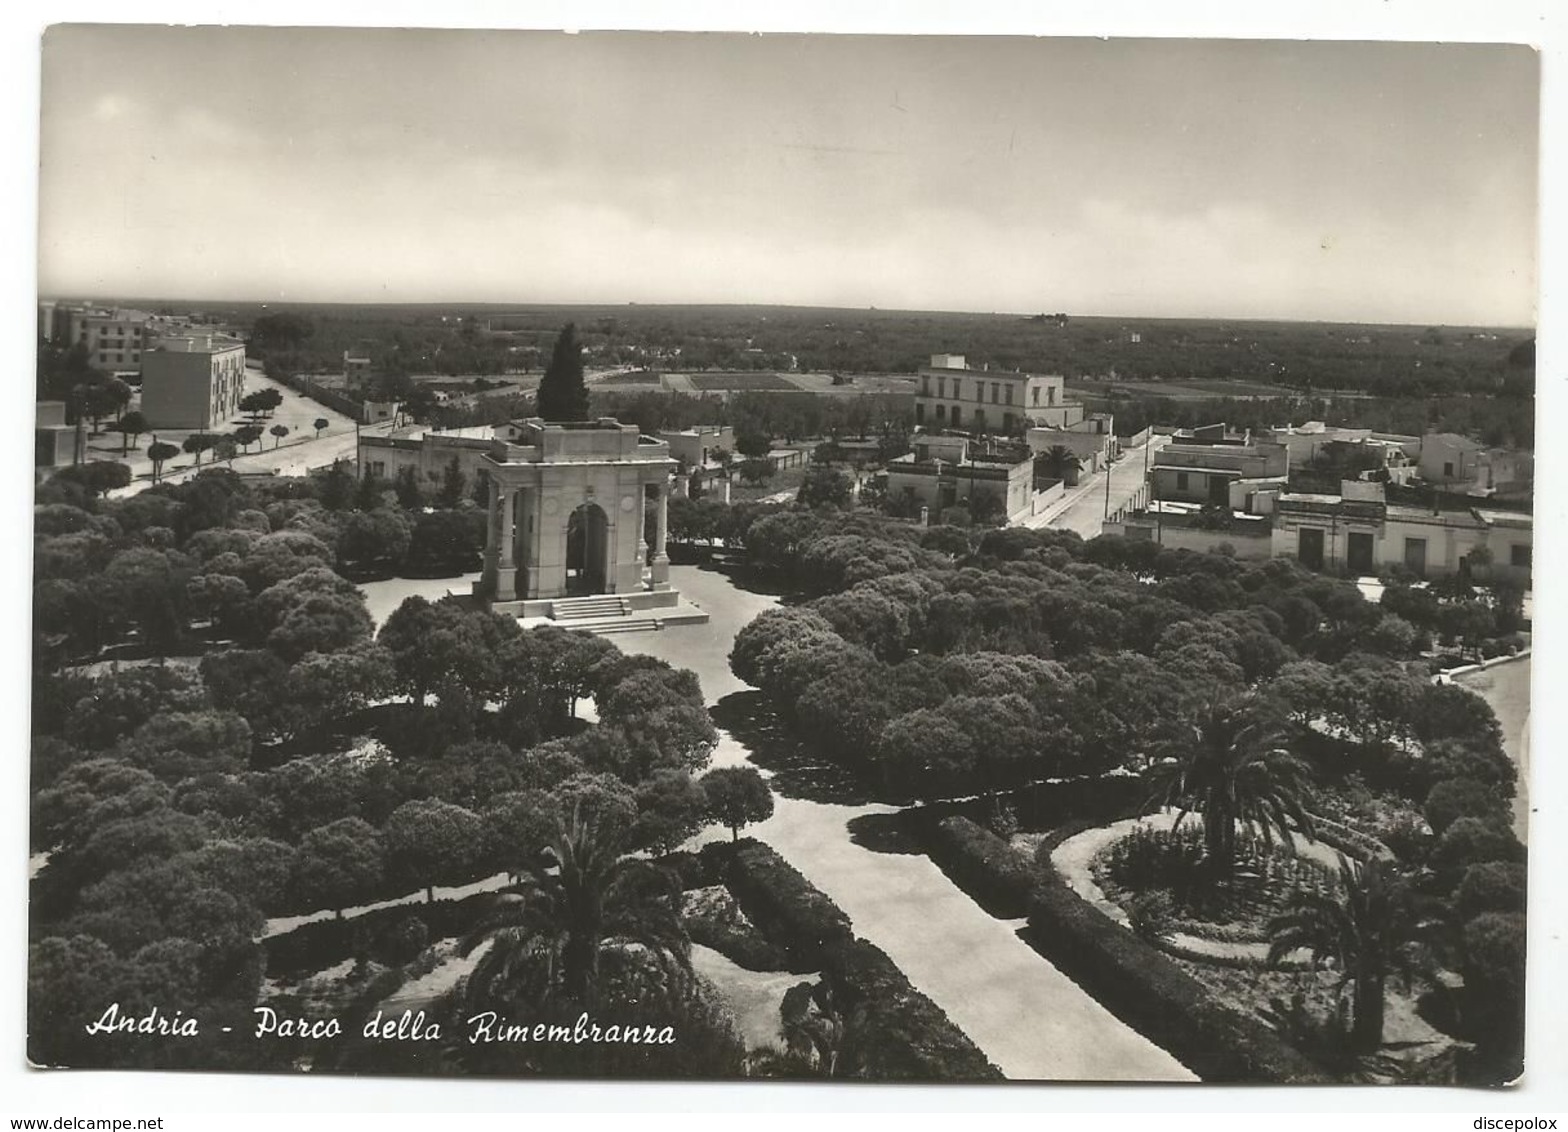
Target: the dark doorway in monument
pixel 587 551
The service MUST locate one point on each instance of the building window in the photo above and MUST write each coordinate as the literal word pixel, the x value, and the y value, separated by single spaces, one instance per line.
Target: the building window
pixel 1034 395
pixel 1181 481
pixel 1519 556
pixel 378 468
pixel 996 392
pixel 1050 395
pixel 957 415
pixel 941 412
pixel 920 413
pixel 958 390
pixel 925 385
pixel 941 387
pixel 1448 470
pixel 103 359
pixel 1009 395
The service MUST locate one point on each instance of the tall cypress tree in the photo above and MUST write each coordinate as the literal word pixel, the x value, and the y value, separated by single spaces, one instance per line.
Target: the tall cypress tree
pixel 562 394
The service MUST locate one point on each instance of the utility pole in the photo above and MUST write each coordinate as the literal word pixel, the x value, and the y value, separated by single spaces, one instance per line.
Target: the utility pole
pixel 1107 483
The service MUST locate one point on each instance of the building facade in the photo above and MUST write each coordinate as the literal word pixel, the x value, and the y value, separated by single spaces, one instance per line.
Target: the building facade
pixel 695 446
pixel 950 395
pixel 1357 533
pixel 1191 470
pixel 192 382
pixel 429 453
pixel 1462 465
pixel 946 471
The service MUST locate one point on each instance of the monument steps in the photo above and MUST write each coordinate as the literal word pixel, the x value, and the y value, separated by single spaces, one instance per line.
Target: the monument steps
pixel 579 608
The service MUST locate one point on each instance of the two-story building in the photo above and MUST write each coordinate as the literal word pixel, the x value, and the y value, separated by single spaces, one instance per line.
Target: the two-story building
pixel 950 395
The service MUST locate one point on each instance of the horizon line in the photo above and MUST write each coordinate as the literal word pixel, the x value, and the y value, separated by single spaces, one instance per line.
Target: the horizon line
pixel 132 300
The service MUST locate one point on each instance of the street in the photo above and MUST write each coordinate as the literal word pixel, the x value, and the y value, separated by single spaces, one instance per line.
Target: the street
pixel 1083 508
pixel 300 451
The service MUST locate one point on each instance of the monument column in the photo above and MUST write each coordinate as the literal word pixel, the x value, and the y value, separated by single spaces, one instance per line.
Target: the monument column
pixel 661 559
pixel 506 565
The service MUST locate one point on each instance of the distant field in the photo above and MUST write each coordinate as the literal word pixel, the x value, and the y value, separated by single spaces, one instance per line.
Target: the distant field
pixel 641 377
pixel 755 382
pixel 1178 390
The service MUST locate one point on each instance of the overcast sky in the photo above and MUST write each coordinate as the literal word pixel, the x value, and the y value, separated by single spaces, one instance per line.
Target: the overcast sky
pixel 1365 182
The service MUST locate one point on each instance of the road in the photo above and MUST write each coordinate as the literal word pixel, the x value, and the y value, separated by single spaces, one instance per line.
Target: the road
pixel 1032 1021
pixel 1083 508
pixel 298 453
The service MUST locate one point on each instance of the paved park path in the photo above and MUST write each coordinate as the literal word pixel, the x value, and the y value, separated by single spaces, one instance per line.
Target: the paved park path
pixel 1506 687
pixel 1024 1014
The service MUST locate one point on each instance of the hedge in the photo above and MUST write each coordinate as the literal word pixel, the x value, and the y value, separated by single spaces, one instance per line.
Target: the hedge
pixel 322 943
pixel 904 1036
pixel 990 870
pixel 783 904
pixel 907 1036
pixel 1148 991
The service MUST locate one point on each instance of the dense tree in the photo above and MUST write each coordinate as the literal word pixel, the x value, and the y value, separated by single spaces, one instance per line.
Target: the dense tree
pixel 454 485
pixel 427 842
pixel 1455 798
pixel 337 864
pixel 160 453
pixel 562 395
pixel 736 797
pixel 444 543
pixel 373 541
pixel 279 432
pixel 825 487
pixel 756 470
pixel 181 745
pixel 670 808
pixel 131 426
pixel 197 443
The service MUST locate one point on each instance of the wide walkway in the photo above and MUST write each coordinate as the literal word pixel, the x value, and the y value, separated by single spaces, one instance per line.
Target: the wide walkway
pixel 1024 1014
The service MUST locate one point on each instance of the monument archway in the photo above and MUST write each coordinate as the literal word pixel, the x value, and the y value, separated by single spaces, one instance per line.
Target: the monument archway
pixel 587 551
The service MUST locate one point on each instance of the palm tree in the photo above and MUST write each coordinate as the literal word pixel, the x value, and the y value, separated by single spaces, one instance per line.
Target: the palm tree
pixel 546 940
pixel 1225 764
pixel 1373 927
pixel 1058 463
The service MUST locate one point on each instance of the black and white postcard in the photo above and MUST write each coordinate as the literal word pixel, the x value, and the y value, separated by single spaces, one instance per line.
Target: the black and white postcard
pixel 833 558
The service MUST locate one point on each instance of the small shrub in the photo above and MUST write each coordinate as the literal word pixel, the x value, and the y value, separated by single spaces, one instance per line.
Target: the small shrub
pixel 402 942
pixel 1151 914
